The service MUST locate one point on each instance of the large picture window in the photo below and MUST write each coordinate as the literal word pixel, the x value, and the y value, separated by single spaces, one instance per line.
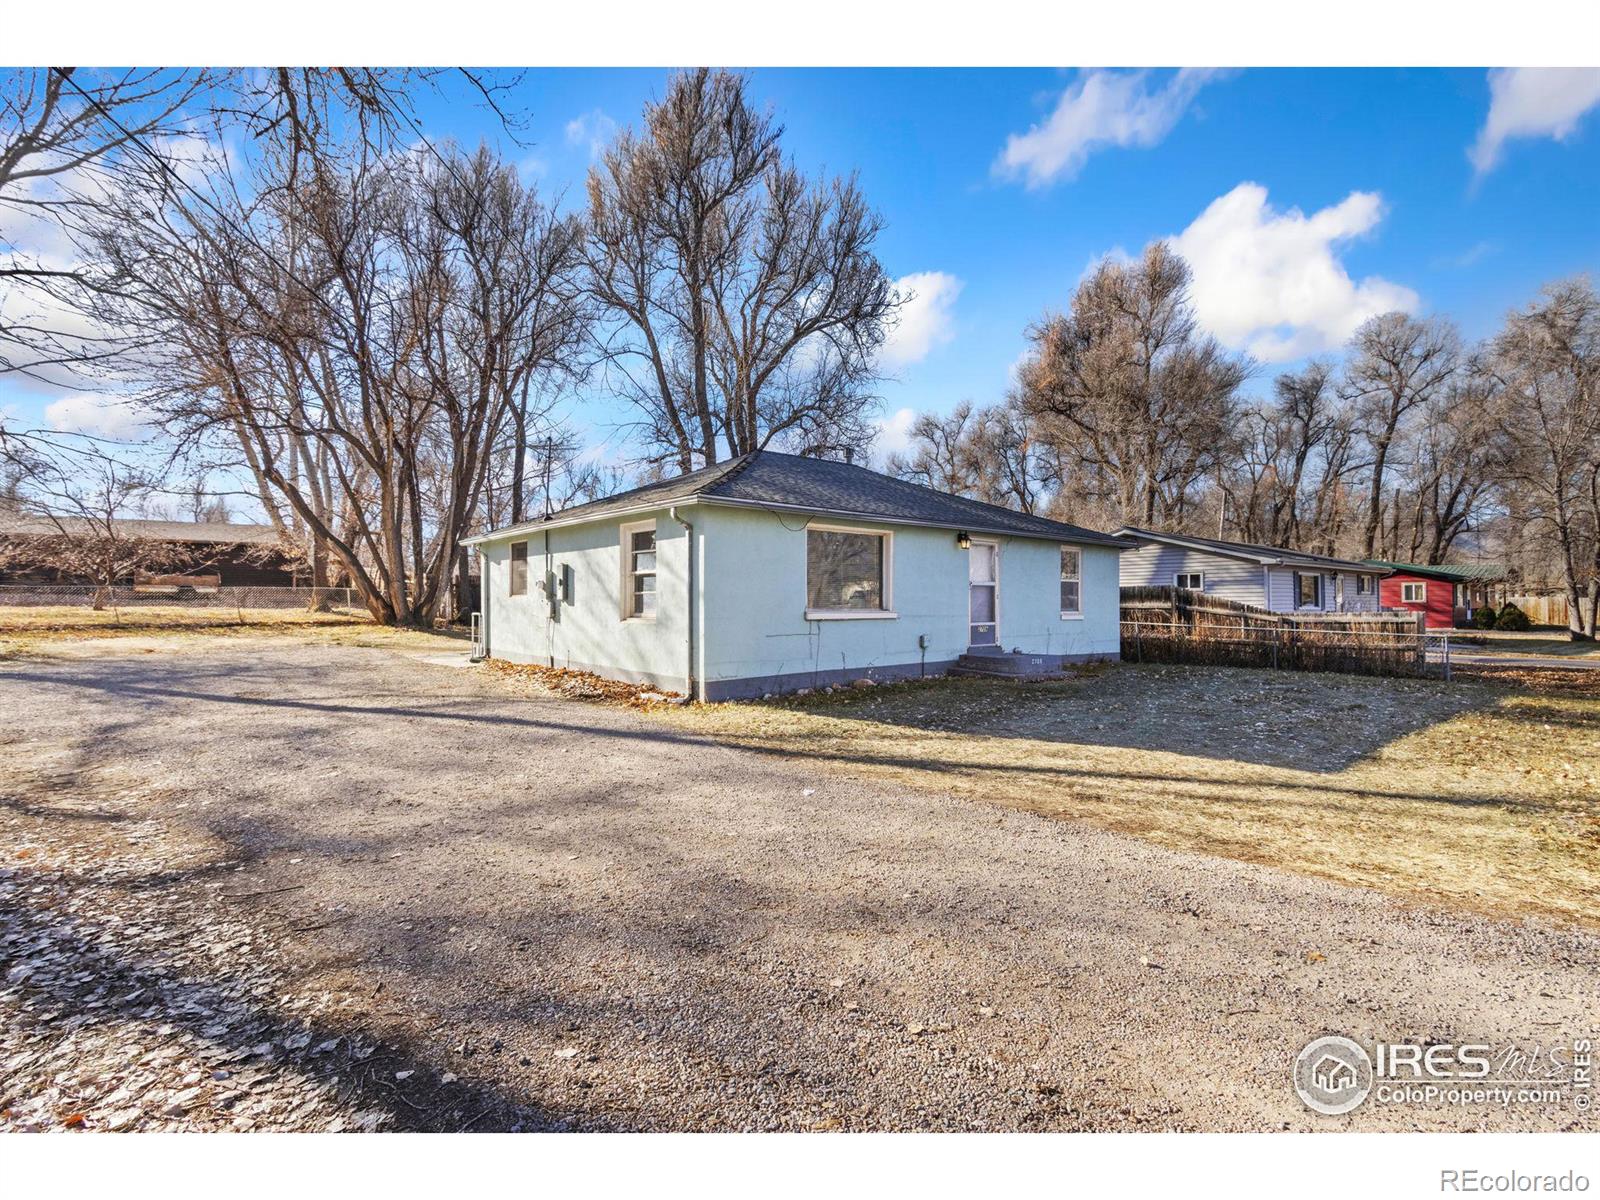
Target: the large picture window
pixel 1071 582
pixel 639 571
pixel 847 572
pixel 519 568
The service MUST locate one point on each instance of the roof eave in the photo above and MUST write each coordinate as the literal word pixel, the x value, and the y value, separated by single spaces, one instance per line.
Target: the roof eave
pixel 559 522
pixel 1191 544
pixel 1089 538
pixel 1282 560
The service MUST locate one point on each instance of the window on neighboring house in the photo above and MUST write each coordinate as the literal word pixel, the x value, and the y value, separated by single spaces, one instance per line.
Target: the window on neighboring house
pixel 1193 581
pixel 639 571
pixel 1307 590
pixel 1413 593
pixel 519 568
pixel 1363 585
pixel 1071 582
pixel 847 572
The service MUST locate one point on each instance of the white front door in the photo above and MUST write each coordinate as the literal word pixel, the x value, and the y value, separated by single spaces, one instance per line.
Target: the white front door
pixel 983 593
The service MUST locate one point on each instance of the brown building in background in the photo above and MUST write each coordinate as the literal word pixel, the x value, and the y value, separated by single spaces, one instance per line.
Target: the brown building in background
pixel 224 554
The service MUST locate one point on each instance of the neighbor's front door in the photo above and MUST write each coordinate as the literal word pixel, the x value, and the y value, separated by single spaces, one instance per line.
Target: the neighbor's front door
pixel 983 593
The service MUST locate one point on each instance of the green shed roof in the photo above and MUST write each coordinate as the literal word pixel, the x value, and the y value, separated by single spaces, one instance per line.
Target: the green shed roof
pixel 1454 572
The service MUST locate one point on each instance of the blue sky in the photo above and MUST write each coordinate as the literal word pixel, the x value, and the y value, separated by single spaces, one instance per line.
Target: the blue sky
pixel 1306 199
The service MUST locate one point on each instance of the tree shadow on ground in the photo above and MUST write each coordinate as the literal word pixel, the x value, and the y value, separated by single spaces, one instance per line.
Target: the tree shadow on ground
pixel 1297 720
pixel 67 974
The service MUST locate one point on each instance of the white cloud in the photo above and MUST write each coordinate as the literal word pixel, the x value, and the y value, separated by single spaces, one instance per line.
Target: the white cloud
pixel 1102 108
pixel 926 319
pixel 894 434
pixel 97 415
pixel 1527 102
pixel 1272 284
pixel 593 130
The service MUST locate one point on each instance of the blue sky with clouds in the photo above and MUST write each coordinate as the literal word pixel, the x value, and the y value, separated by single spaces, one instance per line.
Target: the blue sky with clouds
pixel 1306 200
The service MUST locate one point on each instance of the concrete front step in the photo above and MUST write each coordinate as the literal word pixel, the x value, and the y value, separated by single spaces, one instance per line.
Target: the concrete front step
pixel 1009 666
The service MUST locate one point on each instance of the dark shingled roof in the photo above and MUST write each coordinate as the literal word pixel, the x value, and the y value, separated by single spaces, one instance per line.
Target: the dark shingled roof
pixel 222 533
pixel 768 479
pixel 1271 555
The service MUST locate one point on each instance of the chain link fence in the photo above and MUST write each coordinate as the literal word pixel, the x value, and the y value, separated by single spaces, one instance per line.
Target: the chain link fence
pixel 30 595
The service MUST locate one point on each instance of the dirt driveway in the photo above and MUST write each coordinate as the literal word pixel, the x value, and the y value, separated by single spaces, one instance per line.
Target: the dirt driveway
pixel 269 885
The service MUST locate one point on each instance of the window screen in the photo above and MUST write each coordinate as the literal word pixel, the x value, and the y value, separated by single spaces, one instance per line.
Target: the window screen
pixel 519 568
pixel 844 570
pixel 641 551
pixel 1071 580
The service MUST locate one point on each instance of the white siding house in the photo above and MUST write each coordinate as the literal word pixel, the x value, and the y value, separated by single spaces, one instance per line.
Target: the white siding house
pixel 774 572
pixel 1283 581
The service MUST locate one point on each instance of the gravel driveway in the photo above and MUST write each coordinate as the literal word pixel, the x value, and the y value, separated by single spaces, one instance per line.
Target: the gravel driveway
pixel 356 887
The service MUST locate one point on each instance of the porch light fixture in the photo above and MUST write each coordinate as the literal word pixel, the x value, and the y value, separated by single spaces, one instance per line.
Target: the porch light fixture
pixel 964 540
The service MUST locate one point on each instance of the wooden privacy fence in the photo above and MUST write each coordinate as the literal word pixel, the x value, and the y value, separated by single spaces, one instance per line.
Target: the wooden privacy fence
pixel 1163 624
pixel 1550 608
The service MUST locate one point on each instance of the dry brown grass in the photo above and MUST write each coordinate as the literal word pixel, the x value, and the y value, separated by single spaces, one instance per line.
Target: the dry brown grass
pixel 1481 795
pixel 47 630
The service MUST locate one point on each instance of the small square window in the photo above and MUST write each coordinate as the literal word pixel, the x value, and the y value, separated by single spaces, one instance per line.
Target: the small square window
pixel 1413 593
pixel 1192 581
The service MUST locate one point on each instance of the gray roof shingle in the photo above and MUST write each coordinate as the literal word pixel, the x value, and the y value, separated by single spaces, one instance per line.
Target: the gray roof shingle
pixel 769 479
pixel 1251 551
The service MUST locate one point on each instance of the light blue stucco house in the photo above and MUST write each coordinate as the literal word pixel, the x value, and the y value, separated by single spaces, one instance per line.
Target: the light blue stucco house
pixel 773 572
pixel 1279 580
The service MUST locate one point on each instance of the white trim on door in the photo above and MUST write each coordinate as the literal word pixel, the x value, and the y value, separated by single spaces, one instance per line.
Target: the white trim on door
pixel 994 585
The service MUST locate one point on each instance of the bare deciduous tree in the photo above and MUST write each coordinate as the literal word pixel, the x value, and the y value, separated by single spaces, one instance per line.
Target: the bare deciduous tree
pixel 1548 361
pixel 743 303
pixel 1138 402
pixel 1397 364
pixel 365 327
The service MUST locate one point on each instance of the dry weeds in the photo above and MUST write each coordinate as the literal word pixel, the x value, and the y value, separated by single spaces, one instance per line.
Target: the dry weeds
pixel 579 685
pixel 27 632
pixel 1479 795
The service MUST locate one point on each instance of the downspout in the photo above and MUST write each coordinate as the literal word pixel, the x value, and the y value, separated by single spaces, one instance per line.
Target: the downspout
pixel 688 608
pixel 548 589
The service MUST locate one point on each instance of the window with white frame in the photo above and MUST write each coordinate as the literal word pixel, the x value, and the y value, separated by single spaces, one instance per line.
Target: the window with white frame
pixel 1363 585
pixel 519 568
pixel 1193 581
pixel 1413 593
pixel 847 572
pixel 639 571
pixel 1071 582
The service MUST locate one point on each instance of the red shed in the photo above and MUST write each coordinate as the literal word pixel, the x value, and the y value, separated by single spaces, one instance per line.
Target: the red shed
pixel 1446 594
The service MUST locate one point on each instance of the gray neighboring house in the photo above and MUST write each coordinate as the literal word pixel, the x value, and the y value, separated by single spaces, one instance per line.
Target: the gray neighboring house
pixel 1270 577
pixel 772 572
